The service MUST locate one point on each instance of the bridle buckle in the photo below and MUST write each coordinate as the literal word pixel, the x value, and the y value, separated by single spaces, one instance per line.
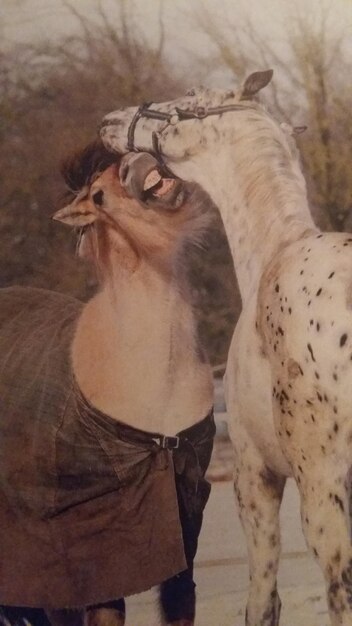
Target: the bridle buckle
pixel 174 119
pixel 200 113
pixel 170 443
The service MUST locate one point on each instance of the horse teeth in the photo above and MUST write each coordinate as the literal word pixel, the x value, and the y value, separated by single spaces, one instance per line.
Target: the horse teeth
pixel 166 186
pixel 151 180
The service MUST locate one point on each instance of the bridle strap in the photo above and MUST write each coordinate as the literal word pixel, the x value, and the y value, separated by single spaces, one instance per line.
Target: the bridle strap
pixel 201 112
pixel 173 118
pixel 178 115
pixel 143 111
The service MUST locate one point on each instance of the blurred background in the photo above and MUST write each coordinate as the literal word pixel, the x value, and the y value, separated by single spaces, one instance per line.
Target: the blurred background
pixel 66 63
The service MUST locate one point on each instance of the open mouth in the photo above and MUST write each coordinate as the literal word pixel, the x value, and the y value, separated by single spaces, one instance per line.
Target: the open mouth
pixel 156 186
pixel 144 178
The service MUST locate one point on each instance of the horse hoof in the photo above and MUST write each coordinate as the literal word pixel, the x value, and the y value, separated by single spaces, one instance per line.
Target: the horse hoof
pixel 182 622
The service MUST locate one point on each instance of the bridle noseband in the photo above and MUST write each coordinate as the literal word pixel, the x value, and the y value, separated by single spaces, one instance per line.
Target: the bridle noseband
pixel 178 115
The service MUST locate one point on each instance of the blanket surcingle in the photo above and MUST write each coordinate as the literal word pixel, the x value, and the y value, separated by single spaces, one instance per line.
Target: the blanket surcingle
pixel 88 506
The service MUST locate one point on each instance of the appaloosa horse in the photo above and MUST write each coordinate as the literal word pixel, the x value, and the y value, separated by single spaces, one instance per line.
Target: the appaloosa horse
pixel 289 371
pixel 106 408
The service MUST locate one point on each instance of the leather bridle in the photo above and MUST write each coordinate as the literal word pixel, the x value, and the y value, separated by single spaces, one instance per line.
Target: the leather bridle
pixel 172 118
pixel 178 115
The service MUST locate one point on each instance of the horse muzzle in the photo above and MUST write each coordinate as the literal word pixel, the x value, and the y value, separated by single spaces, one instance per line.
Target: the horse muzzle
pixel 143 178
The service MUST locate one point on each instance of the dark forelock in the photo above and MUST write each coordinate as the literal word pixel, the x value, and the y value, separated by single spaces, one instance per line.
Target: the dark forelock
pixel 80 168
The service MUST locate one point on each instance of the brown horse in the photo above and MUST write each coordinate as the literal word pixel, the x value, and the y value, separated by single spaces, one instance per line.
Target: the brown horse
pixel 106 418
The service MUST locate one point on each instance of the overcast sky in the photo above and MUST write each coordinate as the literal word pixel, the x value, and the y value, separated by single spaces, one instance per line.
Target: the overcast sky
pixel 32 20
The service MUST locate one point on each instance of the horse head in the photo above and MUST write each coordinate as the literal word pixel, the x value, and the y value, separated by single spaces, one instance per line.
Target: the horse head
pixel 179 128
pixel 129 205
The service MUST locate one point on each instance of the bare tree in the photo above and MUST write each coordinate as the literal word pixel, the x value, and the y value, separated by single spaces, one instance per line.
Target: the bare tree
pixel 53 96
pixel 311 66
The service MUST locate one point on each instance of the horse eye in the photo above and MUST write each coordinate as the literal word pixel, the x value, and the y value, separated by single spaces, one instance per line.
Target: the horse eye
pixel 97 198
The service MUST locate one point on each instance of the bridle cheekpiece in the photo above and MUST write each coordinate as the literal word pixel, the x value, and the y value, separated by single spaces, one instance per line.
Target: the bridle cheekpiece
pixel 172 118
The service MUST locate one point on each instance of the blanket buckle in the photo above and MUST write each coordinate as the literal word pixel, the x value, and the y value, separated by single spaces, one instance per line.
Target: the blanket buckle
pixel 169 443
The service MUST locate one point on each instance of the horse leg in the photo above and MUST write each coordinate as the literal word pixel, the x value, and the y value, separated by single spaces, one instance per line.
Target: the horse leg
pixel 259 493
pixel 12 615
pixel 105 614
pixel 326 525
pixel 178 600
pixel 177 595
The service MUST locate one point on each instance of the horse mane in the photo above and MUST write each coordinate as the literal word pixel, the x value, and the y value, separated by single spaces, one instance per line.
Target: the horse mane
pixel 274 170
pixel 81 168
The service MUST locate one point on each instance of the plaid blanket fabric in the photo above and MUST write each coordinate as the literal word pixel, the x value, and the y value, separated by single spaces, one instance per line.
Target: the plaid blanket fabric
pixel 88 505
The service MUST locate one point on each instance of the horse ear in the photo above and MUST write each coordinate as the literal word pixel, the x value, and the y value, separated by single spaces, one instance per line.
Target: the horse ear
pixel 79 213
pixel 254 83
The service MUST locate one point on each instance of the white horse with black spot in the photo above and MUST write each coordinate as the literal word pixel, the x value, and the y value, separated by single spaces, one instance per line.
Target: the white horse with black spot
pixel 289 371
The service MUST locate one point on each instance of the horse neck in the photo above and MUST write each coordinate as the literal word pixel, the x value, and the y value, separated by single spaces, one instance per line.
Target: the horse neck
pixel 136 315
pixel 142 308
pixel 262 200
pixel 135 344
